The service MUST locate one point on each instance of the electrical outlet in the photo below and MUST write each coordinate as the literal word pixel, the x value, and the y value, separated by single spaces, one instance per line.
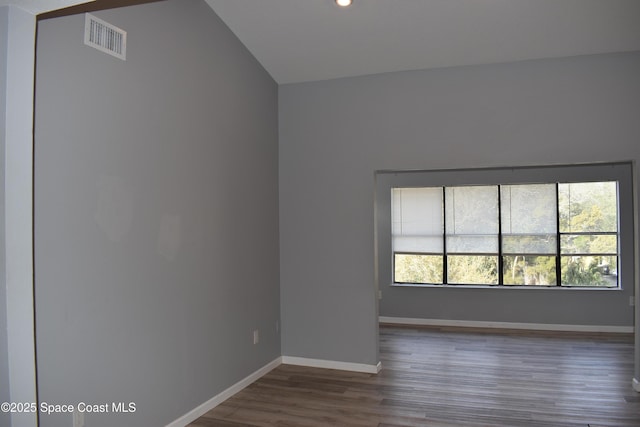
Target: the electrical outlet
pixel 256 336
pixel 78 418
pixel 277 326
pixel 632 301
pixel 379 294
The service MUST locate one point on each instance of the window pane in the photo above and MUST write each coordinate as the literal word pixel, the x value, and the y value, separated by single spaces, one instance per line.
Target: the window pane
pixel 528 219
pixel 414 268
pixel 588 207
pixel 528 209
pixel 429 244
pixel 529 244
pixel 476 244
pixel 417 219
pixel 588 244
pixel 417 211
pixel 529 270
pixel 472 270
pixel 589 271
pixel 472 219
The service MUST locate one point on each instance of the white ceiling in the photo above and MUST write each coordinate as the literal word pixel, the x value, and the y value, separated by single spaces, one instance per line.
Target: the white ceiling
pixel 306 40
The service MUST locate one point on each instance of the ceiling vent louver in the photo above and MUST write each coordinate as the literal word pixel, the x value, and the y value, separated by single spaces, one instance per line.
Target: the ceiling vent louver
pixel 105 37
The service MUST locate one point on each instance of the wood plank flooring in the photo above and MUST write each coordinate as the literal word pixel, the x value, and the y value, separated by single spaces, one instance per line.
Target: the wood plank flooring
pixel 441 377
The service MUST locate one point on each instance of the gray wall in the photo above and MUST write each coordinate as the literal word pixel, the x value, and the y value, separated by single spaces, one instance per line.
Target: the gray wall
pixel 335 134
pixel 156 214
pixel 4 350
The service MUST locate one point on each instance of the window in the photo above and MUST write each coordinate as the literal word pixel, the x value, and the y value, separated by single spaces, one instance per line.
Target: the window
pixel 529 218
pixel 472 231
pixel 552 233
pixel 588 233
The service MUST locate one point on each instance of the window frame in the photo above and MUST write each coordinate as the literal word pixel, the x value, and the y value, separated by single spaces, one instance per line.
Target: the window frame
pixel 620 172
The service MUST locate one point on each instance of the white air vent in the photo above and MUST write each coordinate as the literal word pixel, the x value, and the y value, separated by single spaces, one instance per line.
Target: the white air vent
pixel 105 37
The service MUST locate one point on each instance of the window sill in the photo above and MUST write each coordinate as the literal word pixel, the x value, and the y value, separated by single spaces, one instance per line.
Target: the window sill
pixel 531 287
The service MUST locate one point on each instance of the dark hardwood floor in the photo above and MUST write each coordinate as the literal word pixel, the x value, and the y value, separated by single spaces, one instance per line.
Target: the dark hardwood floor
pixel 453 377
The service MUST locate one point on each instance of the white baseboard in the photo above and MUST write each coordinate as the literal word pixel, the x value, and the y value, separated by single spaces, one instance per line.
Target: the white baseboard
pixel 636 385
pixel 218 399
pixel 331 364
pixel 505 325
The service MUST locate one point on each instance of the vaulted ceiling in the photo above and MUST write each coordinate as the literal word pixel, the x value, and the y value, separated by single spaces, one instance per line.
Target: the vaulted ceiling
pixel 303 40
pixel 307 40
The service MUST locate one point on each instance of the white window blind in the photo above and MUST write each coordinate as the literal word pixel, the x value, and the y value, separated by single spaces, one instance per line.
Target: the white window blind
pixel 417 220
pixel 529 219
pixel 472 219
